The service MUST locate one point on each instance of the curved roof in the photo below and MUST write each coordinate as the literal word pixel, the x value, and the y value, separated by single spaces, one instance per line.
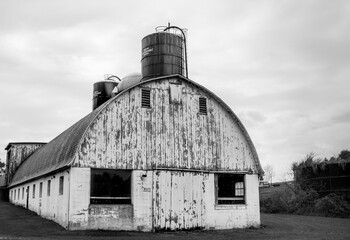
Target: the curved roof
pixel 59 153
pixel 56 154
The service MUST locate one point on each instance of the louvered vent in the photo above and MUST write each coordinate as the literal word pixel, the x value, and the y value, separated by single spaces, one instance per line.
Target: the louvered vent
pixel 146 98
pixel 202 106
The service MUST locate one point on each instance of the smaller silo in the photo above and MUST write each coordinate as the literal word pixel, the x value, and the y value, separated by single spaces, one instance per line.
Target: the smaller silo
pixel 104 90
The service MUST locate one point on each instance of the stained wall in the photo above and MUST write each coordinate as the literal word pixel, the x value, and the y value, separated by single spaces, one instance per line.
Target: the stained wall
pixel 50 204
pixel 170 134
pixel 16 153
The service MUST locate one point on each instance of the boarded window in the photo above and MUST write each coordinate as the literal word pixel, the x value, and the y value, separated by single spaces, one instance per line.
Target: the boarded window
pixel 40 190
pixel 145 98
pixel 202 106
pixel 230 188
pixel 48 187
pixel 33 190
pixel 60 187
pixel 110 186
pixel 176 93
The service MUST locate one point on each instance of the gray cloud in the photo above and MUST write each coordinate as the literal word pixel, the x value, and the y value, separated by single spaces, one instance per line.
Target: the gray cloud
pixel 342 118
pixel 281 66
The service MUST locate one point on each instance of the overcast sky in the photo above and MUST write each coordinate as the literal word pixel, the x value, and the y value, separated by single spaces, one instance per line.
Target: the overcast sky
pixel 282 66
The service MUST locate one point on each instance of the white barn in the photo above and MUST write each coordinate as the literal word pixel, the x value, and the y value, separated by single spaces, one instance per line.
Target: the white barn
pixel 164 153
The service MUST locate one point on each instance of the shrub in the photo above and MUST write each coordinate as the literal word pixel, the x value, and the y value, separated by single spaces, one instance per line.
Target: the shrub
pixel 278 202
pixel 333 205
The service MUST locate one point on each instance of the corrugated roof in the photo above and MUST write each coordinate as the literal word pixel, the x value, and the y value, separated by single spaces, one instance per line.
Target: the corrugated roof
pixel 60 151
pixel 56 154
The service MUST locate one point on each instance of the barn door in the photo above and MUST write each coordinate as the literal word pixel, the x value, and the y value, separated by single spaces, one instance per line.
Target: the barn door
pixel 178 200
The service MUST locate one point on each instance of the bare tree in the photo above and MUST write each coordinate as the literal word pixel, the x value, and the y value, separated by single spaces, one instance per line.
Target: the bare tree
pixel 2 168
pixel 269 173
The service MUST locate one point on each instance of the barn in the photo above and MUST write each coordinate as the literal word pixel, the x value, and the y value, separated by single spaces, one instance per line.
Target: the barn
pixel 158 152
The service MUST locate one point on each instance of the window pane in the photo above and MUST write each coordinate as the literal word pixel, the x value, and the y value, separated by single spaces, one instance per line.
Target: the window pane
pixel 48 187
pixel 230 189
pixel 40 190
pixel 110 186
pixel 239 189
pixel 61 185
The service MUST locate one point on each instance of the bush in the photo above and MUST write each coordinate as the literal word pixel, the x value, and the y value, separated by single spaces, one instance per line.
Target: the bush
pixel 333 205
pixel 278 202
pixel 304 201
pixel 298 201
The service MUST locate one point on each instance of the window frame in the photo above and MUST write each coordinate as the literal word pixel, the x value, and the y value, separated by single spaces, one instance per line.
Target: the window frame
pixel 33 192
pixel 48 188
pixel 40 189
pixel 61 185
pixel 112 200
pixel 235 199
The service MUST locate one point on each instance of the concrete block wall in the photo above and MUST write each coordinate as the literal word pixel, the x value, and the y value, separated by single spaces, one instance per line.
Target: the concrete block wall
pixel 53 207
pixel 136 216
pixel 139 215
pixel 233 216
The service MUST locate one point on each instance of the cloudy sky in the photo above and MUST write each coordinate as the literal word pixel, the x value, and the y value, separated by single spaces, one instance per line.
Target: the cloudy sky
pixel 282 66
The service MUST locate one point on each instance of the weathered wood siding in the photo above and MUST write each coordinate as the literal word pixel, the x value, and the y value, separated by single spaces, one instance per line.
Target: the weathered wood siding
pixel 16 154
pixel 179 200
pixel 170 134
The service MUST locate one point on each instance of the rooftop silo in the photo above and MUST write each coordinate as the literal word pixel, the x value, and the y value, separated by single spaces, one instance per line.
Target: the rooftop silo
pixel 104 90
pixel 164 53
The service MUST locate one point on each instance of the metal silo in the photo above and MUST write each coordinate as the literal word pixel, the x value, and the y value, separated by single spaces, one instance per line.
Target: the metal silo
pixel 164 53
pixel 104 90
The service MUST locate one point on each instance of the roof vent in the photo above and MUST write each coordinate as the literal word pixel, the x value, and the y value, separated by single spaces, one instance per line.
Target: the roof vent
pixel 202 106
pixel 145 98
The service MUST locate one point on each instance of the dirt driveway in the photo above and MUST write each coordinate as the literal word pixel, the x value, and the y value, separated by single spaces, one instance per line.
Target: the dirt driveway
pixel 18 223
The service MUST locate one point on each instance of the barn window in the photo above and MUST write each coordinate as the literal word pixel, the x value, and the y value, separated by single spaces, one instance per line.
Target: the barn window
pixel 33 190
pixel 230 189
pixel 202 106
pixel 110 186
pixel 40 190
pixel 145 98
pixel 48 187
pixel 60 189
